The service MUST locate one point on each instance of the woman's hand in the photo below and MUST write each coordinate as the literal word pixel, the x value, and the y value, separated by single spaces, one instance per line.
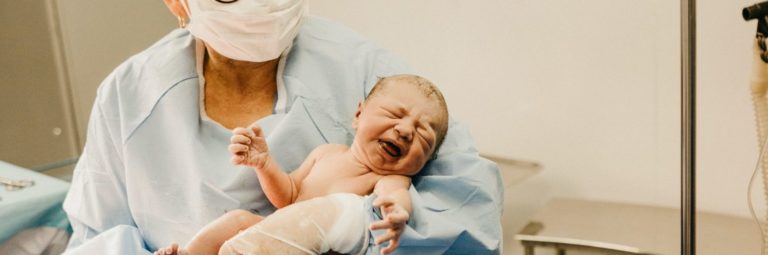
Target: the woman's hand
pixel 394 219
pixel 248 147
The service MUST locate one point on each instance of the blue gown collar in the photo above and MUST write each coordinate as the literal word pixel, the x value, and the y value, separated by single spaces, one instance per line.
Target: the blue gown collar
pixel 178 67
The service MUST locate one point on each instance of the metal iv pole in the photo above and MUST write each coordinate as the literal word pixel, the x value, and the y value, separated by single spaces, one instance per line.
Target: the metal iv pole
pixel 688 136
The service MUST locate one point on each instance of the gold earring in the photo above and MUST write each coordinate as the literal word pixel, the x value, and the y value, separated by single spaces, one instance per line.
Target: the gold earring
pixel 182 22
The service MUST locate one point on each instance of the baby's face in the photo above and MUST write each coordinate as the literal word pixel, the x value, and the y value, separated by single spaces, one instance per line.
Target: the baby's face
pixel 396 130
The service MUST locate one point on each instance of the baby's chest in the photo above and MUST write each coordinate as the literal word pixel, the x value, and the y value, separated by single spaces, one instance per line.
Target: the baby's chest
pixel 326 179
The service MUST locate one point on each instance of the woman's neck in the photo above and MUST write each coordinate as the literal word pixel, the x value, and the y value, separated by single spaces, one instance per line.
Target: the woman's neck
pixel 239 77
pixel 237 93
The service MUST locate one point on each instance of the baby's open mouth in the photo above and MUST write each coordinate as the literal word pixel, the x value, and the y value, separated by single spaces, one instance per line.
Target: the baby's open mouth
pixel 391 148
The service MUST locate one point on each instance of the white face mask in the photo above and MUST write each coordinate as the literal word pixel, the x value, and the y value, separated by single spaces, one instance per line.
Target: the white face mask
pixel 247 30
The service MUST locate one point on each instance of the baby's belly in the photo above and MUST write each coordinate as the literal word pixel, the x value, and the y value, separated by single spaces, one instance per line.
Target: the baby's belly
pixel 359 186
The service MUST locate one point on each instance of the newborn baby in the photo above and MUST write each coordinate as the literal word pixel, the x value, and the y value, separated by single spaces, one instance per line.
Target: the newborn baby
pixel 399 127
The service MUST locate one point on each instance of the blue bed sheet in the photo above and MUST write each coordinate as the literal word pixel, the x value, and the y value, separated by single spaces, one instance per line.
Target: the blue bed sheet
pixel 35 206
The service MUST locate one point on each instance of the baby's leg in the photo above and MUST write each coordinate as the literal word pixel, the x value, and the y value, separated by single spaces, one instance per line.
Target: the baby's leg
pixel 301 228
pixel 297 229
pixel 212 236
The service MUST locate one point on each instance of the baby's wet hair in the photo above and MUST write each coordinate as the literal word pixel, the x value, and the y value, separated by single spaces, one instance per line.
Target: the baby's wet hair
pixel 430 91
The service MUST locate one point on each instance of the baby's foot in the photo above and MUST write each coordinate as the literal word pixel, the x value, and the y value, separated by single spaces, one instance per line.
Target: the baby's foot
pixel 171 250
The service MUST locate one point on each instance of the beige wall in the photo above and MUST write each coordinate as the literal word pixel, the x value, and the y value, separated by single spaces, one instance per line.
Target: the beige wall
pixel 36 124
pixel 727 140
pixel 100 34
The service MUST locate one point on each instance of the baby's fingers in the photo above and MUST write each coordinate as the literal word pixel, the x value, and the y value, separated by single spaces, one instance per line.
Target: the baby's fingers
pixel 388 236
pixel 238 152
pixel 237 148
pixel 174 248
pixel 240 131
pixel 382 224
pixel 393 244
pixel 397 217
pixel 241 139
pixel 237 159
pixel 257 130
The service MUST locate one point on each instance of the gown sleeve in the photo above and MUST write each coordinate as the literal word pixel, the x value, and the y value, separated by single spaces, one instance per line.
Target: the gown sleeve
pixel 97 204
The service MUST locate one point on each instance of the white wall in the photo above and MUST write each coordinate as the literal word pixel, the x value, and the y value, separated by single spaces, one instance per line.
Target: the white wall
pixel 588 88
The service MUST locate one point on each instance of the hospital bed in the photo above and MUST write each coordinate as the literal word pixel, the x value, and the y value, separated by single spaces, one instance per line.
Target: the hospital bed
pixel 30 209
pixel 600 227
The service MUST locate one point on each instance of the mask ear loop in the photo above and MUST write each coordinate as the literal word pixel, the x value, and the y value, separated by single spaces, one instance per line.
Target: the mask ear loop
pixel 182 21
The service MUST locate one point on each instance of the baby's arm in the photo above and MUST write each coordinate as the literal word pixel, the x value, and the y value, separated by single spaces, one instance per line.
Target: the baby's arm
pixel 248 147
pixel 395 204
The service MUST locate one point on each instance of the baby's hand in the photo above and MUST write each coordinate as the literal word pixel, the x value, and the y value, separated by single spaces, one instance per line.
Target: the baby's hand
pixel 394 219
pixel 248 147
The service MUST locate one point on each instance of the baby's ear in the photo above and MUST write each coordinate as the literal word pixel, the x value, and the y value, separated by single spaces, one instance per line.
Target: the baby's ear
pixel 357 114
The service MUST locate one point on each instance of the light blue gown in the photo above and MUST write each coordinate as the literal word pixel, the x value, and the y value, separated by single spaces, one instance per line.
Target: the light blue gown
pixel 154 171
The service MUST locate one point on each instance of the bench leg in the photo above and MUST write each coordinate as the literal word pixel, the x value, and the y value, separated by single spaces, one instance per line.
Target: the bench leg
pixel 529 250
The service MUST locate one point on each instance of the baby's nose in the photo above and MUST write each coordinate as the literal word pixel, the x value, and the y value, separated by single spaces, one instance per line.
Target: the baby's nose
pixel 404 132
